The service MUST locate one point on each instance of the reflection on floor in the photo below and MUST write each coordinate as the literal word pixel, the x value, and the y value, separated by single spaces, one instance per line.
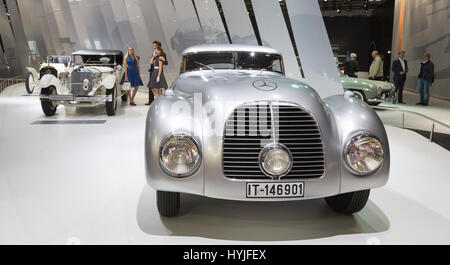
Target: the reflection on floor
pixel 84 183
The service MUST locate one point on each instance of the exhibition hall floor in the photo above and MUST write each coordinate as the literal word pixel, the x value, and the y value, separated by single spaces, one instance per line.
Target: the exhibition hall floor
pixel 85 184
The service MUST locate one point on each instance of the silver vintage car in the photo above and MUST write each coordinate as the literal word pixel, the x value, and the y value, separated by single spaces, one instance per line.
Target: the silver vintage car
pixel 232 126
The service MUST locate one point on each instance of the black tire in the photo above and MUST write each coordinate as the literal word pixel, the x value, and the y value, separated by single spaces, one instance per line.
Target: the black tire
pixel 360 95
pixel 48 107
pixel 125 97
pixel 111 106
pixel 349 203
pixel 29 87
pixel 168 203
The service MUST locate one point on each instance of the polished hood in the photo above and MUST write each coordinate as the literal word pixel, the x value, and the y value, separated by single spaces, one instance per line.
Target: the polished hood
pixel 243 86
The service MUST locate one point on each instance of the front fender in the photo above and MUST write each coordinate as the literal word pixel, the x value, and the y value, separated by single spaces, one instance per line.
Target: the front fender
pixel 350 116
pixel 34 73
pixel 108 81
pixel 166 116
pixel 50 80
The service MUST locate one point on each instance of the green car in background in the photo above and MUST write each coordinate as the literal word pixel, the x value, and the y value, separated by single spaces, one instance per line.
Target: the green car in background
pixel 371 91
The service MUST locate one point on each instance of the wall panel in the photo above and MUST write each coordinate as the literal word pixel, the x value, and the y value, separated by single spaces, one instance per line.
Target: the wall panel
pixel 319 65
pixel 274 33
pixel 212 26
pixel 238 22
pixel 425 30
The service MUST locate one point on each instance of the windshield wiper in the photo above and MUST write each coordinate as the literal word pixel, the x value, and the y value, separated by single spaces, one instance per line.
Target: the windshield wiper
pixel 266 68
pixel 207 66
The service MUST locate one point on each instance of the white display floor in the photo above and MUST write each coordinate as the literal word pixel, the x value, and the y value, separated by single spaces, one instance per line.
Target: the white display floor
pixel 85 184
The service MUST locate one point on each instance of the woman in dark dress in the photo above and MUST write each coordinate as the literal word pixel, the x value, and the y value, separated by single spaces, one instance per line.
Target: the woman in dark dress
pixel 132 73
pixel 157 80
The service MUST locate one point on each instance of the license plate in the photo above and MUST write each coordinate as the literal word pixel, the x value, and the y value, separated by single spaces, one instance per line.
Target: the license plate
pixel 275 190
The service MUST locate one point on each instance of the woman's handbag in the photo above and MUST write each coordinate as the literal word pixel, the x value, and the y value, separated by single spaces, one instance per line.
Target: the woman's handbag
pixel 126 86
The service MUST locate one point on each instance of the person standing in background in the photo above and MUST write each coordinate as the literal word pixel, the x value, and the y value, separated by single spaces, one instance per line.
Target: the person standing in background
pixel 157 80
pixel 400 69
pixel 351 66
pixel 132 73
pixel 385 68
pixel 426 79
pixel 376 68
pixel 156 45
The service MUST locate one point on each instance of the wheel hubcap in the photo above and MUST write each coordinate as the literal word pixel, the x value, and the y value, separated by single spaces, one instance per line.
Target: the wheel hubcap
pixel 358 95
pixel 52 103
pixel 31 83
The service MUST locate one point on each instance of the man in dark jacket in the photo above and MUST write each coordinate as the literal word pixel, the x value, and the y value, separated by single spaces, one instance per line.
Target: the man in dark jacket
pixel 156 45
pixel 351 66
pixel 426 79
pixel 400 69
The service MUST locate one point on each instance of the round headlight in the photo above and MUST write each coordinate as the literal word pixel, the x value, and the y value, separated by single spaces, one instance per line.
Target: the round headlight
pixel 275 160
pixel 379 90
pixel 364 154
pixel 180 155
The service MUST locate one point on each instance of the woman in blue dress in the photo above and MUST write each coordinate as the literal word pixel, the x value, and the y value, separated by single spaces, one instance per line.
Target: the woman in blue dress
pixel 132 73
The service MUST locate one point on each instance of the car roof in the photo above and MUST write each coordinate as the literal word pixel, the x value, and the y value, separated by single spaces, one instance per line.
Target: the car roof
pixel 98 52
pixel 228 48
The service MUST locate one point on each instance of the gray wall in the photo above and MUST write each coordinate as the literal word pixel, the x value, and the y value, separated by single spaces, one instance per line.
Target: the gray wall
pixel 425 30
pixel 46 27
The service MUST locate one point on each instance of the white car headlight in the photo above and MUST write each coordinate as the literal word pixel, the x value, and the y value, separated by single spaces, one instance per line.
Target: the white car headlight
pixel 364 154
pixel 379 90
pixel 180 155
pixel 275 160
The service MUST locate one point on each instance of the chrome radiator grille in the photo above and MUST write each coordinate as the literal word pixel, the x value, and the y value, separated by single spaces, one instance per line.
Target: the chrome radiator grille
pixel 77 79
pixel 253 126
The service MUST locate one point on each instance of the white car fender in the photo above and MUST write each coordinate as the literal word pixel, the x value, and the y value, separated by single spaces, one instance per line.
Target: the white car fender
pixel 34 73
pixel 109 81
pixel 50 80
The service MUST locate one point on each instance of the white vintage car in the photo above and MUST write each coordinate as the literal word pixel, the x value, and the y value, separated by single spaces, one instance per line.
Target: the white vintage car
pixel 54 64
pixel 94 79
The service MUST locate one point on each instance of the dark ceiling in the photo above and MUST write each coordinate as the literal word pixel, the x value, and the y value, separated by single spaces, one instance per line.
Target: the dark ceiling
pixel 351 7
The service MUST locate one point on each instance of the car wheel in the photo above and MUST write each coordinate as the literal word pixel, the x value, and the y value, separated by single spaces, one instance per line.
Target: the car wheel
pixel 168 203
pixel 359 95
pixel 125 97
pixel 30 84
pixel 111 106
pixel 48 107
pixel 349 203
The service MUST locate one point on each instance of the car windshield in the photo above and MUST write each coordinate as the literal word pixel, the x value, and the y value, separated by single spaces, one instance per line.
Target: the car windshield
pixel 61 60
pixel 107 60
pixel 232 60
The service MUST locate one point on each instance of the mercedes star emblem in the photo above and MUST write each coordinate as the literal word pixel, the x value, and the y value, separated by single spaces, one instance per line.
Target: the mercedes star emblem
pixel 265 85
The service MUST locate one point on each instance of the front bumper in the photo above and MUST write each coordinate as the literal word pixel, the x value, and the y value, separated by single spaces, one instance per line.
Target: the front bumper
pixel 384 96
pixel 78 99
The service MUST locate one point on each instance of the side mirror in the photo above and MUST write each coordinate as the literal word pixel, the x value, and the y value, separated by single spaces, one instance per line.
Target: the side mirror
pixel 119 67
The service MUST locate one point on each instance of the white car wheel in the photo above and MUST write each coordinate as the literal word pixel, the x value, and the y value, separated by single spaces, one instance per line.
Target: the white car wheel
pixel 359 95
pixel 30 84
